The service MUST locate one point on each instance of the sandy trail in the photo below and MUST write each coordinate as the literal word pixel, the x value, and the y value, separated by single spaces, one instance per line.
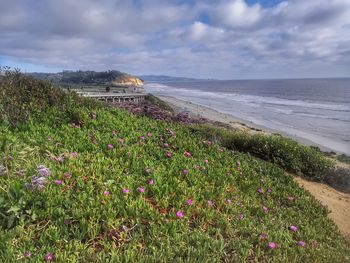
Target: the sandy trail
pixel 337 202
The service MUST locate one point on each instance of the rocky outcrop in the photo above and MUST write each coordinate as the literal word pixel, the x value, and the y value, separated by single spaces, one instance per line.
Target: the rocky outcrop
pixel 128 80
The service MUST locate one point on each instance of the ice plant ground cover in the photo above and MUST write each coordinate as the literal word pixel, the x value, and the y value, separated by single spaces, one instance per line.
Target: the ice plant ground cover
pixel 99 213
pixel 85 183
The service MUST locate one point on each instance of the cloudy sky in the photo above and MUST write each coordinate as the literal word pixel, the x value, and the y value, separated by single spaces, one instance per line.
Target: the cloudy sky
pixel 225 39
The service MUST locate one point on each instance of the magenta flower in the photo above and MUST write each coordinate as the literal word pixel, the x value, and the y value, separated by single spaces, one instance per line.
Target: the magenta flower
pixel 206 161
pixel 58 182
pixel 142 137
pixel 141 189
pixel 265 209
pixel 238 163
pixel 67 175
pixel 74 155
pixel 121 141
pixel 125 191
pixel 241 216
pixel 106 193
pixel 169 155
pixel 27 254
pixel 166 145
pixel 49 257
pixel 189 201
pixel 301 243
pixel 294 228
pixel 272 245
pixel 263 236
pixel 110 146
pixel 187 154
pixel 150 181
pixel 260 191
pixel 149 134
pixel 179 214
pixel 185 171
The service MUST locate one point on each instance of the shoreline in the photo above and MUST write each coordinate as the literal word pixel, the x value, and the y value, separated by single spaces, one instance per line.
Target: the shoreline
pixel 234 122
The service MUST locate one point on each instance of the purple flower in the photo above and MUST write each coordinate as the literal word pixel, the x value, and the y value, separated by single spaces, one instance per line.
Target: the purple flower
pixel 125 191
pixel 60 159
pixel 238 163
pixel 260 191
pixel 121 141
pixel 210 203
pixel 241 216
pixel 49 257
pixel 166 145
pixel 74 155
pixel 263 236
pixel 58 182
pixel 27 254
pixel 141 189
pixel 228 201
pixel 294 228
pixel 179 214
pixel 150 181
pixel 272 245
pixel 269 190
pixel 265 209
pixel 142 137
pixel 37 183
pixel 291 199
pixel 43 171
pixel 169 155
pixel 110 146
pixel 106 193
pixel 67 175
pixel 185 171
pixel 301 243
pixel 189 201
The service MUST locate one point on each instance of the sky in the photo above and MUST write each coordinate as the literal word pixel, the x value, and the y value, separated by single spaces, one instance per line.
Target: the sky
pixel 224 39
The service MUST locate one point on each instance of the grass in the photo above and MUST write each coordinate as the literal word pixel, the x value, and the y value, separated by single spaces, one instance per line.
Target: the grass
pixel 82 214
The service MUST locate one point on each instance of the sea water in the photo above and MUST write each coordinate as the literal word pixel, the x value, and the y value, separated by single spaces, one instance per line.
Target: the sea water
pixel 314 109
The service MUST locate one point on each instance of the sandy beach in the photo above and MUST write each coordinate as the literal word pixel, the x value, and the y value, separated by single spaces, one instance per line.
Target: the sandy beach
pixel 234 122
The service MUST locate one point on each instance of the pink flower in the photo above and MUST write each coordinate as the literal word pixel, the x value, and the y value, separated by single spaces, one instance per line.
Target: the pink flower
pixel 74 155
pixel 260 191
pixel 141 189
pixel 110 146
pixel 106 193
pixel 185 171
pixel 121 141
pixel 150 181
pixel 189 201
pixel 301 243
pixel 187 154
pixel 228 201
pixel 291 199
pixel 241 216
pixel 147 170
pixel 210 203
pixel 269 190
pixel 263 236
pixel 142 137
pixel 169 155
pixel 206 161
pixel 179 214
pixel 58 182
pixel 294 228
pixel 27 254
pixel 166 145
pixel 67 175
pixel 60 159
pixel 272 245
pixel 149 134
pixel 49 257
pixel 238 163
pixel 265 209
pixel 125 191
pixel 114 133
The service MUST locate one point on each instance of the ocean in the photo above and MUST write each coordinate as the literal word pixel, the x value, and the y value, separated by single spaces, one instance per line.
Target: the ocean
pixel 317 110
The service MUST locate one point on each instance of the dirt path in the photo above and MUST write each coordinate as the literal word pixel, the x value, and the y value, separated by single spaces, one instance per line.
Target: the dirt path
pixel 337 202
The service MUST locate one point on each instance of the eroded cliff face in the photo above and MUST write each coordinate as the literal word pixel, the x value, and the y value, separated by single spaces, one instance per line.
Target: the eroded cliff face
pixel 128 80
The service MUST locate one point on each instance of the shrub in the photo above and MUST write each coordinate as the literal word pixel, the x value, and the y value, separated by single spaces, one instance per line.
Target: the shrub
pixel 285 152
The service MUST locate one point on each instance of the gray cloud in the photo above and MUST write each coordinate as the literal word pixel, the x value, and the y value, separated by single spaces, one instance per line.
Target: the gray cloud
pixel 293 38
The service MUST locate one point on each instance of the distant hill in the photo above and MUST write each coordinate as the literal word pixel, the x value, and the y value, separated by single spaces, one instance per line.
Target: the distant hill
pixel 111 77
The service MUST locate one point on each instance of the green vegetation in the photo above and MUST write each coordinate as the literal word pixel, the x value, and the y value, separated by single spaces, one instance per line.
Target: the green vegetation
pixel 285 152
pixel 158 102
pixel 118 187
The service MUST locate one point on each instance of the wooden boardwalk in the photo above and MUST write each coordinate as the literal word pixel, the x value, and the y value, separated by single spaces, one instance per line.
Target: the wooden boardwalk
pixel 115 97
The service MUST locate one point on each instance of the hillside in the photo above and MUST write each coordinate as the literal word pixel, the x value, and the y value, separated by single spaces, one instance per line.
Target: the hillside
pixel 90 78
pixel 82 182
